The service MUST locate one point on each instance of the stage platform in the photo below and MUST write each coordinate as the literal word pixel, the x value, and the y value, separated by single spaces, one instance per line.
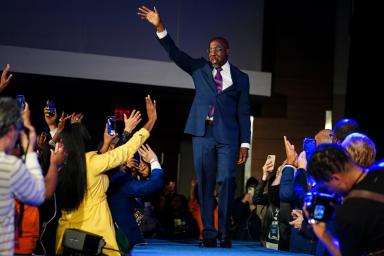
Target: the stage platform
pixel 191 248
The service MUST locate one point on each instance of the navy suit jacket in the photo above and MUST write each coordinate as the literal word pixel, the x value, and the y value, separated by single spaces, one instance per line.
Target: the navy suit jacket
pixel 123 185
pixel 293 187
pixel 232 105
pixel 121 199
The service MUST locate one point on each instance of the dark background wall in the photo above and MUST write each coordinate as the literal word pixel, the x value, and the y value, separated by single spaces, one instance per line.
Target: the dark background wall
pixel 299 50
pixel 364 93
pixel 304 48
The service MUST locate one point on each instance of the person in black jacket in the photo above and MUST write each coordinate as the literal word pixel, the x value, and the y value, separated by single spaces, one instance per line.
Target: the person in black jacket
pixel 246 223
pixel 270 234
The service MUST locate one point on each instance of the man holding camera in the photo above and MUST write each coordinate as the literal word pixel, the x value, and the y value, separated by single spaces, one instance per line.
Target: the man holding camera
pixel 359 221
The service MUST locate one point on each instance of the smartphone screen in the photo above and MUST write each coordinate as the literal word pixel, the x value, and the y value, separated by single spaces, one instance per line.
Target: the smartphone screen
pixel 309 146
pixel 51 106
pixel 319 212
pixel 111 125
pixel 20 101
pixel 272 158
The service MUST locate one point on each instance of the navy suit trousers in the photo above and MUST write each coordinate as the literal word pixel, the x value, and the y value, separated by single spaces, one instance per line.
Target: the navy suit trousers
pixel 215 163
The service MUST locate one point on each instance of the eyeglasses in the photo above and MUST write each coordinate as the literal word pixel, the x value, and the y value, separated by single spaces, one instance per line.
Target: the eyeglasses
pixel 215 50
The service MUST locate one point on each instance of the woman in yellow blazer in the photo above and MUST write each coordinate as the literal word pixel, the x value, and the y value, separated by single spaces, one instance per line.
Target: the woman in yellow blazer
pixel 84 182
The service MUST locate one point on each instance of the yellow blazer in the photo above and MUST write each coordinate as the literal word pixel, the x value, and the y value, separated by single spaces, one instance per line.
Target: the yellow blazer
pixel 94 215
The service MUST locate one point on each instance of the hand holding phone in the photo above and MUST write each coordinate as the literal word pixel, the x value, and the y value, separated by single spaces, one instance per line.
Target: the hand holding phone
pixel 272 159
pixel 268 167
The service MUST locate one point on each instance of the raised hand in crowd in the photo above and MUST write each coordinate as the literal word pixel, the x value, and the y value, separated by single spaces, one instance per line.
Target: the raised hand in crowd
pixel 57 160
pixel 279 171
pixel 147 154
pixel 76 118
pixel 5 77
pixel 267 169
pixel 58 156
pixel 290 152
pixel 42 140
pixel 62 121
pixel 107 140
pixel 131 122
pixel 151 113
pixel 28 135
pixel 60 127
pixel 129 125
pixel 302 160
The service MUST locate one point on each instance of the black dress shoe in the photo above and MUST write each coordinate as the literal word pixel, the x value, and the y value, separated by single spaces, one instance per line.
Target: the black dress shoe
pixel 226 243
pixel 209 243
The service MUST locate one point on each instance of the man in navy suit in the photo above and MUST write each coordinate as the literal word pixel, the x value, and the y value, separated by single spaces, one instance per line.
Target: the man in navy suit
pixel 219 121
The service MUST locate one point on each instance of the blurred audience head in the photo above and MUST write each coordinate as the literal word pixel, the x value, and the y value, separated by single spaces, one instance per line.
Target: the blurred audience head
pixel 332 166
pixel 361 149
pixel 172 187
pixel 251 182
pixel 325 136
pixel 11 123
pixel 344 127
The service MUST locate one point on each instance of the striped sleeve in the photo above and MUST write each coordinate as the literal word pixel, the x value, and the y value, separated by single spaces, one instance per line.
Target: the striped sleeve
pixel 27 181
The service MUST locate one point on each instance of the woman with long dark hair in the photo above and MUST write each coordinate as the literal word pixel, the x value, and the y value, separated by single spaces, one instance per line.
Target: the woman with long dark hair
pixel 83 181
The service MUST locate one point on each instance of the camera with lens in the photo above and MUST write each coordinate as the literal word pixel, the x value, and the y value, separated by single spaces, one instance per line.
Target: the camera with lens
pixel 320 206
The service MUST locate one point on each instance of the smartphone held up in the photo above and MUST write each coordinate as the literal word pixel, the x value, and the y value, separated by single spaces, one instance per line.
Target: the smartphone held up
pixel 111 129
pixel 272 158
pixel 20 101
pixel 51 106
pixel 309 146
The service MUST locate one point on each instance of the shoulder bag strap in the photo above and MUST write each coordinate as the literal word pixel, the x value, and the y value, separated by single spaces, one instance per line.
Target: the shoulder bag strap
pixel 359 193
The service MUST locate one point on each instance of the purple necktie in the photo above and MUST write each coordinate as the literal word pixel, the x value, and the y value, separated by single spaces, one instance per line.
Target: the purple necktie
pixel 219 81
pixel 219 89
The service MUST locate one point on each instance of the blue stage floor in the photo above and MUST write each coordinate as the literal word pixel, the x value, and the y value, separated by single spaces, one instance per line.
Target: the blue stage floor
pixel 190 247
